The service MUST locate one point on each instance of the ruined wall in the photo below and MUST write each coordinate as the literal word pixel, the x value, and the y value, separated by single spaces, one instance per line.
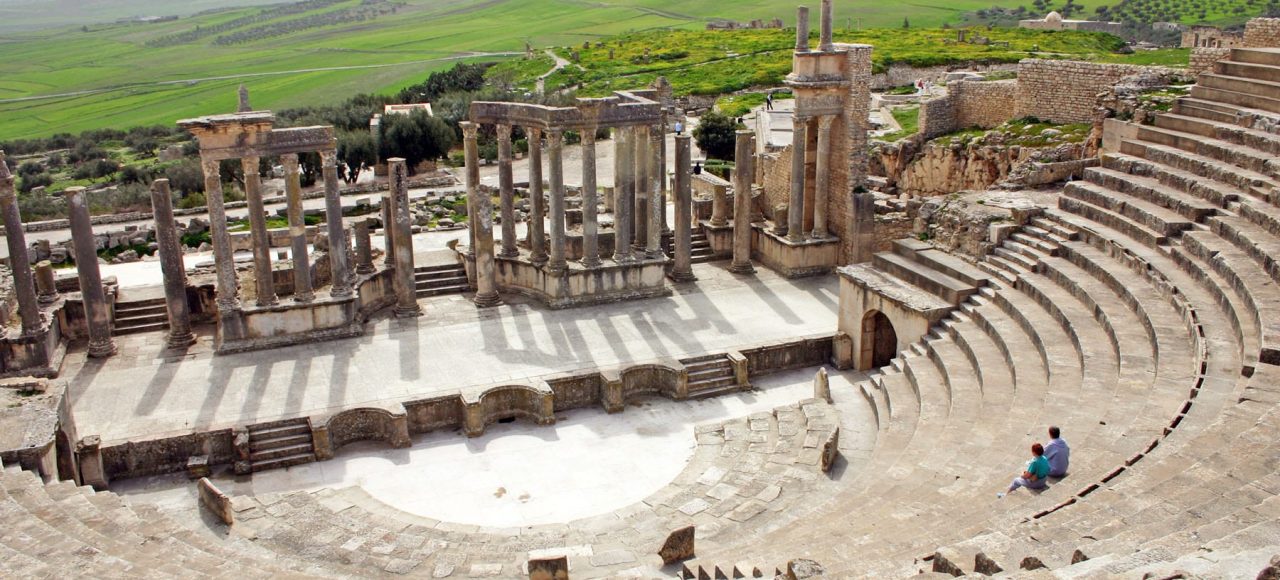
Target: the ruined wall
pixel 900 75
pixel 1202 59
pixel 850 175
pixel 1262 33
pixel 1066 91
pixel 985 104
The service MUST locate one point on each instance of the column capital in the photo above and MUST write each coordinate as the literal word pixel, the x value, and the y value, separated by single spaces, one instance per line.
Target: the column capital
pixel 6 178
pixel 533 133
pixel 799 120
pixel 329 157
pixel 825 121
pixel 589 135
pixel 469 129
pixel 71 192
pixel 210 166
pixel 289 161
pixel 504 132
pixel 555 135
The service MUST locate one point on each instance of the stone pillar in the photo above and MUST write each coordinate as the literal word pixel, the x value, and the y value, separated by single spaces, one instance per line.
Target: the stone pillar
pixel 405 286
pixel 46 283
pixel 95 301
pixel 742 205
pixel 19 261
pixel 223 256
pixel 653 249
pixel 302 288
pixel 555 141
pixel 537 202
pixel 802 29
pixel 640 154
pixel 338 246
pixel 507 193
pixel 590 229
pixel 258 231
pixel 683 269
pixel 175 273
pixel 480 209
pixel 624 185
pixel 388 228
pixel 720 208
pixel 825 44
pixel 795 209
pixel 364 249
pixel 661 143
pixel 822 181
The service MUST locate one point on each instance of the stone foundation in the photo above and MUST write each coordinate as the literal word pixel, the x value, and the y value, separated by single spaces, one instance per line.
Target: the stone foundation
pixel 578 286
pixel 808 257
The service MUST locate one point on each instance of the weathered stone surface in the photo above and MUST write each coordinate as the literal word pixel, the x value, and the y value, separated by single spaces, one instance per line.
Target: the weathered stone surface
pixel 678 546
pixel 983 564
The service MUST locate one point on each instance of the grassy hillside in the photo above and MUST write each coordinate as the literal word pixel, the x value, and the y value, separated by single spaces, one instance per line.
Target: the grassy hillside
pixel 118 75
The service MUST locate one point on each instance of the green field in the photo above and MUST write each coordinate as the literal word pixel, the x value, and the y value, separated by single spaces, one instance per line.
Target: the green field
pixel 70 80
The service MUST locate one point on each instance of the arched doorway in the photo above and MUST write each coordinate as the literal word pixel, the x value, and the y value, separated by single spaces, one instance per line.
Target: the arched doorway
pixel 879 341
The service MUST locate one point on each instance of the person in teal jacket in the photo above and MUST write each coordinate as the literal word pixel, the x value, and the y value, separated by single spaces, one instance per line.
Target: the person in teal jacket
pixel 1035 474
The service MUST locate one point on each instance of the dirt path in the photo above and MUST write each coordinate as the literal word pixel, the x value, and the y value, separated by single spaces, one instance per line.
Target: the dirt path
pixel 560 63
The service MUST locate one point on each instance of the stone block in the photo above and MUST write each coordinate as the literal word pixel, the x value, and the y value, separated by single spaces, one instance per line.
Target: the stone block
pixel 198 466
pixel 549 568
pixel 800 569
pixel 212 499
pixel 679 546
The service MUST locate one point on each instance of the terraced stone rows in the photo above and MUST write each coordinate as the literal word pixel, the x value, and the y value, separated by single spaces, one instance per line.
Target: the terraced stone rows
pixel 746 474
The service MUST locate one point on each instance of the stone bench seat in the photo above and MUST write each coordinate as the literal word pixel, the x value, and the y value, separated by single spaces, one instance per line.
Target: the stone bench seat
pixel 1258 184
pixel 1265 94
pixel 1258 289
pixel 1235 97
pixel 1151 191
pixel 1113 220
pixel 1216 193
pixel 1215 129
pixel 1257 242
pixel 1210 147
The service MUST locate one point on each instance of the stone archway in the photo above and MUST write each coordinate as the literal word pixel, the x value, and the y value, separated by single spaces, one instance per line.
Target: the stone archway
pixel 879 341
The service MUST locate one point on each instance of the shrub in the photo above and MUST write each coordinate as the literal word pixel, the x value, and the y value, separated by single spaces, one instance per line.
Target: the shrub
pixel 715 135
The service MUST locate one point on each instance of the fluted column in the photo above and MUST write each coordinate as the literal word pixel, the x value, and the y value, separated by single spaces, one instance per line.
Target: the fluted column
pixel 623 198
pixel 555 142
pixel 264 281
pixel 338 246
pixel 19 260
pixel 537 202
pixel 302 288
pixel 795 209
pixel 405 286
pixel 480 208
pixel 171 266
pixel 653 249
pixel 96 314
pixel 682 271
pixel 223 256
pixel 364 249
pixel 590 228
pixel 506 193
pixel 742 205
pixel 822 183
pixel 640 153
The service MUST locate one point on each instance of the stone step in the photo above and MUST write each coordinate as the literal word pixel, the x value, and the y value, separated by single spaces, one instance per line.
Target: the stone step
pixel 1211 192
pixel 1044 246
pixel 268 443
pixel 279 429
pixel 141 304
pixel 141 328
pixel 1208 110
pixel 449 274
pixel 952 266
pixel 1249 70
pixel 1212 93
pixel 437 268
pixel 440 291
pixel 140 320
pixel 1152 191
pixel 1255 56
pixel 1225 131
pixel 922 276
pixel 261 456
pixel 283 462
pixel 1259 242
pixel 441 282
pixel 1159 219
pixel 1224 151
pixel 1013 257
pixel 1260 88
pixel 1056 228
pixel 713 389
pixel 716 361
pixel 1113 220
pixel 1258 289
pixel 710 373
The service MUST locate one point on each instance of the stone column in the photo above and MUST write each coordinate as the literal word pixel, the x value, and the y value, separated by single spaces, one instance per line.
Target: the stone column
pixel 555 141
pixel 364 249
pixel 720 208
pixel 175 273
pixel 822 183
pixel 742 205
pixel 795 209
pixel 507 193
pixel 46 283
pixel 683 269
pixel 590 229
pixel 405 286
pixel 640 154
pixel 661 143
pixel 480 209
pixel 95 301
pixel 19 261
pixel 388 228
pixel 825 44
pixel 537 202
pixel 338 246
pixel 653 249
pixel 623 200
pixel 258 231
pixel 302 288
pixel 802 29
pixel 223 256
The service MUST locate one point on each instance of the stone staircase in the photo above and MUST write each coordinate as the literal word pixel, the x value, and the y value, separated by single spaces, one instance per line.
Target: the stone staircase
pixel 711 376
pixel 439 280
pixel 700 251
pixel 1141 316
pixel 60 530
pixel 148 315
pixel 280 444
